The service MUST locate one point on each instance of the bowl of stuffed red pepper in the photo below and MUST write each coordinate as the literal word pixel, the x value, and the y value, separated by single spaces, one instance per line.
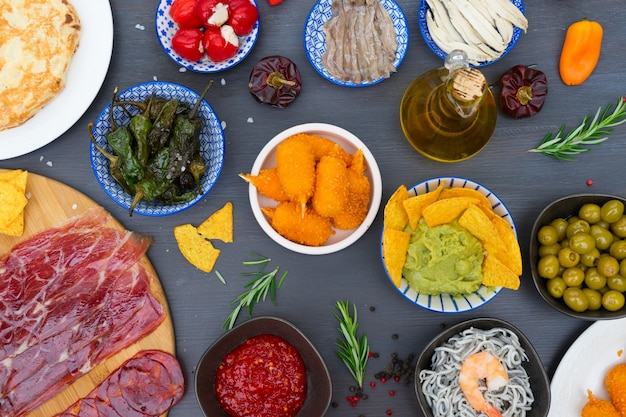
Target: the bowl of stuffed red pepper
pixel 157 148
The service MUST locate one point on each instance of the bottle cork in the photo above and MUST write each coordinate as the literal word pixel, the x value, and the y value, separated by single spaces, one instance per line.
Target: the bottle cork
pixel 468 85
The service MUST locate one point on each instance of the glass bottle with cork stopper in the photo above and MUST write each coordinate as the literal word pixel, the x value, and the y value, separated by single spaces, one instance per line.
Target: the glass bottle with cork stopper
pixel 449 113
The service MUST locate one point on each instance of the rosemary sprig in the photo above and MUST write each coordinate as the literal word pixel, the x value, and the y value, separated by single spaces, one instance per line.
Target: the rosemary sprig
pixel 591 131
pixel 262 284
pixel 353 351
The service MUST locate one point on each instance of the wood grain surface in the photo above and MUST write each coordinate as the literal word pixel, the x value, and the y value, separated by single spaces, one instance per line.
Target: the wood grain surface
pixel 51 203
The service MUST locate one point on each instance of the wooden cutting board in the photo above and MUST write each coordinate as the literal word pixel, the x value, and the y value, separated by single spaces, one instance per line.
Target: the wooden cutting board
pixel 51 203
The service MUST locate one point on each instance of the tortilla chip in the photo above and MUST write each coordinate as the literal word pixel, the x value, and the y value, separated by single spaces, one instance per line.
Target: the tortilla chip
pixel 496 274
pixel 466 192
pixel 17 177
pixel 219 225
pixel 395 244
pixel 444 211
pixel 195 248
pixel 478 224
pixel 12 203
pixel 395 216
pixel 512 255
pixel 414 206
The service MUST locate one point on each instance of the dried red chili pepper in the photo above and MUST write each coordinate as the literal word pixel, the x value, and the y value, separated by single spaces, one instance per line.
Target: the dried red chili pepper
pixel 275 80
pixel 524 91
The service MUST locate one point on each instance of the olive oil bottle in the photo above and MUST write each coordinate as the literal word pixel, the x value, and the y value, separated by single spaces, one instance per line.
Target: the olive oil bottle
pixel 449 114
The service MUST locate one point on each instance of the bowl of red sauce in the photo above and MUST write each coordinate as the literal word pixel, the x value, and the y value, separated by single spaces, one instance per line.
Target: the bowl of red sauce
pixel 264 367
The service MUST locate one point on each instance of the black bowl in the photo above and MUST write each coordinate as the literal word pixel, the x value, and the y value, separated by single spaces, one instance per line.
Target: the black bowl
pixel 319 384
pixel 539 382
pixel 566 207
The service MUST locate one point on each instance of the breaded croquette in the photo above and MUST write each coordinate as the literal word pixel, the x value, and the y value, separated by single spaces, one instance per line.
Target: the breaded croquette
pixel 331 187
pixel 309 229
pixel 295 162
pixel 615 383
pixel 597 407
pixel 266 182
pixel 358 197
pixel 323 146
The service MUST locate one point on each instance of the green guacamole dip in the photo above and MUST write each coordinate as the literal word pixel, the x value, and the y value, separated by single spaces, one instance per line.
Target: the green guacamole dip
pixel 445 259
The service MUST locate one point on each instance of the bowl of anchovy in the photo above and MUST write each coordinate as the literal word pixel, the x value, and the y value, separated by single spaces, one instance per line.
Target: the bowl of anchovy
pixel 157 148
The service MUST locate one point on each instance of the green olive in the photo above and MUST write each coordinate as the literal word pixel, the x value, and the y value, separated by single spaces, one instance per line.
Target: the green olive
pixel 549 249
pixel 573 276
pixel 575 227
pixel 556 287
pixel 568 258
pixel 617 283
pixel 619 227
pixel 590 213
pixel 572 219
pixel 622 268
pixel 560 225
pixel 594 280
pixel 594 298
pixel 613 300
pixel 608 266
pixel 576 299
pixel 582 242
pixel 548 266
pixel 618 249
pixel 602 236
pixel 547 235
pixel 603 224
pixel 612 210
pixel 590 258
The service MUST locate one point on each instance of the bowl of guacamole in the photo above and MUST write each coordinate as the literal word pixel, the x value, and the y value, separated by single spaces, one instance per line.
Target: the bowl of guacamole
pixel 442 270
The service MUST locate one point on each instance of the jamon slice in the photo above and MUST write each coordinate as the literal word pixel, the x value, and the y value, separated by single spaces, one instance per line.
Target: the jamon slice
pixel 147 385
pixel 70 297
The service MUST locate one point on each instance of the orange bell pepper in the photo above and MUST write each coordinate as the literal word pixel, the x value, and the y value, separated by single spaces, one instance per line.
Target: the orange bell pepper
pixel 581 51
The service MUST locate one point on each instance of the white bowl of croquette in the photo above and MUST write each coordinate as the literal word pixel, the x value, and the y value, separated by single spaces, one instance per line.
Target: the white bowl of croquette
pixel 315 188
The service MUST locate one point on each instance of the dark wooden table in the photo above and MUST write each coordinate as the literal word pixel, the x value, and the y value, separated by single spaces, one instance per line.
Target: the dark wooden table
pixel 526 182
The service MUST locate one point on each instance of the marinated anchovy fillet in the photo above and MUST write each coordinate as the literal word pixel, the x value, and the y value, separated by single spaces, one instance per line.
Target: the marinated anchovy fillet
pixel 361 41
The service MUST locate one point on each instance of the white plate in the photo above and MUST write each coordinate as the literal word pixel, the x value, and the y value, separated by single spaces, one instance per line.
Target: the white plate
pixel 446 303
pixel 84 79
pixel 166 28
pixel 315 40
pixel 585 365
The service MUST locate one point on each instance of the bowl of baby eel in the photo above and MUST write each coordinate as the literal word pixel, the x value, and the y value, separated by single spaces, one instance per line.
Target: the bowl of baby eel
pixel 482 366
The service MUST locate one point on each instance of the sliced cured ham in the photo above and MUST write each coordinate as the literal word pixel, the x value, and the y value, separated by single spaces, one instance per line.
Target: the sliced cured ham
pixel 70 297
pixel 147 385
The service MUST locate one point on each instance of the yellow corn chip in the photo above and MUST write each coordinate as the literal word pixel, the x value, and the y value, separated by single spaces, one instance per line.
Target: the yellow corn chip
pixel 466 192
pixel 496 274
pixel 395 216
pixel 17 177
pixel 219 225
pixel 12 203
pixel 478 224
pixel 414 206
pixel 395 244
pixel 195 248
pixel 512 255
pixel 444 211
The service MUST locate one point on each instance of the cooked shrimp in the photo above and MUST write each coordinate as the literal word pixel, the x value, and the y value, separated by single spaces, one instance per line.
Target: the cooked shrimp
pixel 358 197
pixel 331 187
pixel 325 147
pixel 266 182
pixel 615 383
pixel 597 407
pixel 295 162
pixel 309 228
pixel 477 367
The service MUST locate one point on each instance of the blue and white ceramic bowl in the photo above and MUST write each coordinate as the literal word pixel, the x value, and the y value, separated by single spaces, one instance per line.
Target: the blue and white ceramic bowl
pixel 446 303
pixel 166 28
pixel 421 16
pixel 212 145
pixel 315 40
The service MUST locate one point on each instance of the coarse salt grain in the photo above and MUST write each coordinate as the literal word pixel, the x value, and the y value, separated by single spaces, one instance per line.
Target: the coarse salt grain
pixel 182 69
pixel 223 124
pixel 154 77
pixel 223 82
pixel 74 206
pixel 140 27
pixel 250 120
pixel 41 158
pixel 49 163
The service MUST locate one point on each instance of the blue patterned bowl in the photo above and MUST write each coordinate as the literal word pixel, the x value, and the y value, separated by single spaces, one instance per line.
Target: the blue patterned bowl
pixel 421 17
pixel 166 28
pixel 447 303
pixel 211 145
pixel 315 40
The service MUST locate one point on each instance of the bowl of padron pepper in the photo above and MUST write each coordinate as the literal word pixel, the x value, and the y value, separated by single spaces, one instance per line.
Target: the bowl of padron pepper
pixel 157 148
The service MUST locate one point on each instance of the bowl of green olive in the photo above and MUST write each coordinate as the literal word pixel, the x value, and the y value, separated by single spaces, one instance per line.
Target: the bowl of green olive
pixel 578 256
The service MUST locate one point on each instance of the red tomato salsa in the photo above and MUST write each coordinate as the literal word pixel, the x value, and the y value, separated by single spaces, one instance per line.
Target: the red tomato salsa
pixel 262 377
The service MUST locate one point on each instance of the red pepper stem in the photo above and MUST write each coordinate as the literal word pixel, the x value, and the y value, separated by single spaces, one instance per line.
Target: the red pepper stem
pixel 524 94
pixel 278 80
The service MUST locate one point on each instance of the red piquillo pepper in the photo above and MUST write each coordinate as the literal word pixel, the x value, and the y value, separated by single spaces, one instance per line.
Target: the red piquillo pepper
pixel 523 92
pixel 581 51
pixel 275 80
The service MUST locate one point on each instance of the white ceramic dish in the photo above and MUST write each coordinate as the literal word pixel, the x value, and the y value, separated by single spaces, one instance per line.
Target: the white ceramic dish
pixel 315 40
pixel 211 146
pixel 446 303
pixel 166 28
pixel 584 366
pixel 349 142
pixel 84 79
pixel 421 18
